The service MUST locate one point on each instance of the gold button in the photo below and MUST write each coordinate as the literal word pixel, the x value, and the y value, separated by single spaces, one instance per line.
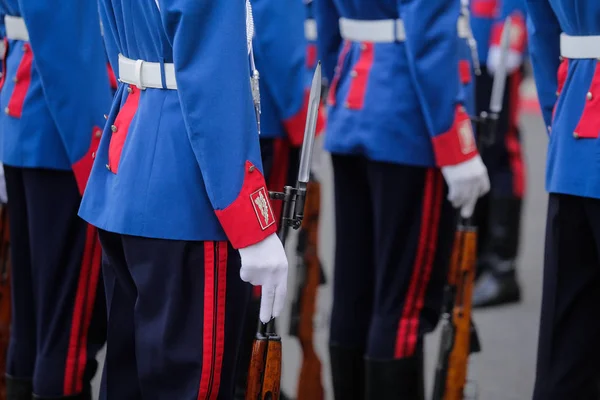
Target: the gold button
pixel 557 93
pixel 105 116
pixel 129 89
pixel 347 105
pixel 549 129
pixel 576 135
pixel 15 80
pixel 561 58
pixel 113 128
pixel 251 169
pixel 24 48
pixel 6 110
pixel 93 155
pixel 108 167
pixel 98 133
pixel 353 74
pixel 363 46
pixel 589 95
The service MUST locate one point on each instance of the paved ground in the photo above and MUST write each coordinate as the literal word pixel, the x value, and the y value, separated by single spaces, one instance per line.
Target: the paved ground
pixel 505 369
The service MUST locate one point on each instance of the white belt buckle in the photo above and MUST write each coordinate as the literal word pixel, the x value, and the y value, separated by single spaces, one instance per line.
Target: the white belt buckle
pixel 138 74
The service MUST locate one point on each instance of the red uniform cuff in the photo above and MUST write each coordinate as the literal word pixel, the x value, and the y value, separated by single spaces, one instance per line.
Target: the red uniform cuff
pixel 83 167
pixel 456 145
pixel 295 125
pixel 250 218
pixel 518 33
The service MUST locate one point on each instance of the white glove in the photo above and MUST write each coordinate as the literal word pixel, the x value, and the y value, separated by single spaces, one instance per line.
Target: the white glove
pixel 265 264
pixel 514 60
pixel 467 182
pixel 3 193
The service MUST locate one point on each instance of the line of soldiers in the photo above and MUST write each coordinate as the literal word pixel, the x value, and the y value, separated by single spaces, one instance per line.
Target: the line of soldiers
pixel 140 214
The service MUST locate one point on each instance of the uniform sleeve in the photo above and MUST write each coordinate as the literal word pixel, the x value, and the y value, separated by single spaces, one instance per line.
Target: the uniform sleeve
pixel 70 59
pixel 213 78
pixel 432 47
pixel 518 36
pixel 544 37
pixel 329 39
pixel 279 46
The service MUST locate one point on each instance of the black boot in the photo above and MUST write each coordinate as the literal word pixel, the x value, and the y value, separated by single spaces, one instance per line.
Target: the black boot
pixel 18 389
pixel 347 372
pixel 400 379
pixel 85 395
pixel 497 282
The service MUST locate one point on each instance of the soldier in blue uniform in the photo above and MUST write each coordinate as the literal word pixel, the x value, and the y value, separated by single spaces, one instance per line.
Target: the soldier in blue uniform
pixel 564 37
pixel 498 214
pixel 178 193
pixel 397 129
pixel 55 93
pixel 279 54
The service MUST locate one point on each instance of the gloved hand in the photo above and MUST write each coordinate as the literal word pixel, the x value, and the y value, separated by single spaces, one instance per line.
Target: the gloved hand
pixel 514 60
pixel 467 182
pixel 265 264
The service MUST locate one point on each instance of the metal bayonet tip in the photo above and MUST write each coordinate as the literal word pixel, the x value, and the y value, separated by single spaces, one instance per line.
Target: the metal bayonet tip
pixel 312 115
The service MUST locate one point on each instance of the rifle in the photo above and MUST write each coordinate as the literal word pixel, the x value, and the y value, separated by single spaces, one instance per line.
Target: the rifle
pixel 459 336
pixel 264 374
pixel 4 295
pixel 309 276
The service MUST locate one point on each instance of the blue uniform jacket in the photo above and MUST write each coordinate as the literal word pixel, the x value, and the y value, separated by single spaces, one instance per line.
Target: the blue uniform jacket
pixel 569 94
pixel 181 164
pixel 56 89
pixel 399 102
pixel 487 20
pixel 279 50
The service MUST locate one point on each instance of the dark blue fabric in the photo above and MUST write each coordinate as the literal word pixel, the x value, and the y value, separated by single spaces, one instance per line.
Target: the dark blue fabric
pixel 378 224
pixel 155 301
pixel 47 245
pixel 568 349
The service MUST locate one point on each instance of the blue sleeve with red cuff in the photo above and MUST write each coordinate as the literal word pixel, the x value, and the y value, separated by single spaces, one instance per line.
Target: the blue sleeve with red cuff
pixel 432 47
pixel 213 78
pixel 69 57
pixel 280 44
pixel 518 37
pixel 544 37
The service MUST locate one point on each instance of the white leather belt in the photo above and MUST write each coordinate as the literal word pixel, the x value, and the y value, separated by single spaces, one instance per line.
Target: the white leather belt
pixel 145 74
pixel 464 29
pixel 15 28
pixel 376 31
pixel 582 47
pixel 310 30
pixel 386 30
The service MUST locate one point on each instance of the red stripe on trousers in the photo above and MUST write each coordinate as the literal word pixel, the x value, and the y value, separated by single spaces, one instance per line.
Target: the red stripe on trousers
pixel 215 276
pixel 338 72
pixel 82 314
pixel 23 79
pixel 513 145
pixel 430 252
pixel 403 326
pixel 360 77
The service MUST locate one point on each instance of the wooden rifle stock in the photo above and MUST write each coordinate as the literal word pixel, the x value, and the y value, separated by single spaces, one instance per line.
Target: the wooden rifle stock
pixel 264 374
pixel 461 277
pixel 309 277
pixel 5 304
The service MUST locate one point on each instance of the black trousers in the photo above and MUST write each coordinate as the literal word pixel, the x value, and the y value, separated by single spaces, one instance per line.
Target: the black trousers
pixel 394 231
pixel 175 315
pixel 58 308
pixel 569 345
